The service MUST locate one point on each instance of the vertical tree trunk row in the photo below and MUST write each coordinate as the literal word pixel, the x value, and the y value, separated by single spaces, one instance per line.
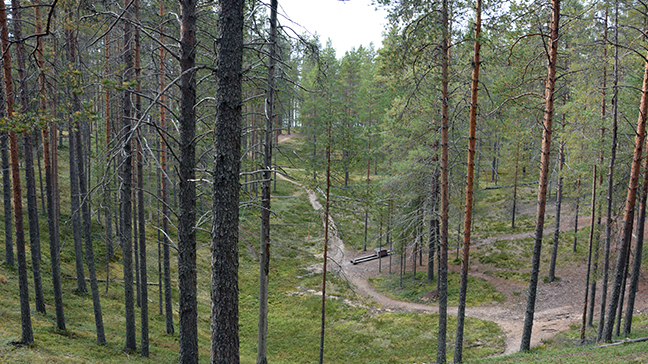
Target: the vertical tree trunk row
pixel 30 178
pixel 628 217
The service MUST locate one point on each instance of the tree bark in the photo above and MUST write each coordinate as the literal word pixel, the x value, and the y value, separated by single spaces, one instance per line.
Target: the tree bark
pixel 638 254
pixel 556 237
pixel 126 181
pixel 23 288
pixel 442 279
pixel 544 174
pixel 589 256
pixel 188 315
pixel 227 153
pixel 30 178
pixel 610 182
pixel 264 266
pixel 79 182
pixel 590 316
pixel 6 189
pixel 578 184
pixel 52 221
pixel 470 175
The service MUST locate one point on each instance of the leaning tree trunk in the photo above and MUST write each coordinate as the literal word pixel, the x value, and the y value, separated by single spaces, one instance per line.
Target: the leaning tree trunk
pixel 629 210
pixel 544 174
pixel 470 175
pixel 442 278
pixel 264 265
pixel 227 155
pixel 638 254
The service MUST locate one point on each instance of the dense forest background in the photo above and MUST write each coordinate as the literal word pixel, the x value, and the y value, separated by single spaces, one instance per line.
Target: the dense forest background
pixel 147 140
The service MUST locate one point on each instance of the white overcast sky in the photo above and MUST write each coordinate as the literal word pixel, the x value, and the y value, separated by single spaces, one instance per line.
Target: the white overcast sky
pixel 348 23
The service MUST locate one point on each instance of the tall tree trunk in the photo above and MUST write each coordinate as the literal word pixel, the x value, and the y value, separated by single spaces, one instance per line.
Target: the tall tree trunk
pixel 515 185
pixel 544 174
pixel 142 276
pixel 87 234
pixel 168 299
pixel 126 181
pixel 107 185
pixel 188 318
pixel 433 234
pixel 326 237
pixel 589 256
pixel 610 182
pixel 578 193
pixel 78 180
pixel 52 221
pixel 556 237
pixel 619 313
pixel 629 210
pixel 227 155
pixel 638 254
pixel 30 178
pixel 442 279
pixel 142 253
pixel 75 203
pixel 470 175
pixel 6 189
pixel 23 288
pixel 590 316
pixel 264 266
pixel 75 211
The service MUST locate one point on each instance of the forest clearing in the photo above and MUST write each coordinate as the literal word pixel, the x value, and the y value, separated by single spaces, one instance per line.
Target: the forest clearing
pixel 205 182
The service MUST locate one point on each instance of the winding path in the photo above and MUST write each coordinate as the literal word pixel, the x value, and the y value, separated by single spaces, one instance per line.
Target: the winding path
pixel 556 308
pixel 548 320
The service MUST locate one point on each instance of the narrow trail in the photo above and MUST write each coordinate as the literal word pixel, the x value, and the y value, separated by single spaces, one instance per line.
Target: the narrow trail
pixel 548 321
pixel 558 305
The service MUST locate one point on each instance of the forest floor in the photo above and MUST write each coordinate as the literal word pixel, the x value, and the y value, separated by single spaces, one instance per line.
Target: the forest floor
pixel 558 304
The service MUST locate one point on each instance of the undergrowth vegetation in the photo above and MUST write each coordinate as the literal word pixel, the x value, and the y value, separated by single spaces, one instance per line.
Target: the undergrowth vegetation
pixel 356 332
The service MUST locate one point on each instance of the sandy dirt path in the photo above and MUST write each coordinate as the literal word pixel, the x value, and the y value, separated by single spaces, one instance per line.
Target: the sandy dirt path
pixel 558 305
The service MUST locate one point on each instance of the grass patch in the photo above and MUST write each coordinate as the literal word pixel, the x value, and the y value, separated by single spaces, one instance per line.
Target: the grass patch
pixel 510 275
pixel 566 348
pixel 480 292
